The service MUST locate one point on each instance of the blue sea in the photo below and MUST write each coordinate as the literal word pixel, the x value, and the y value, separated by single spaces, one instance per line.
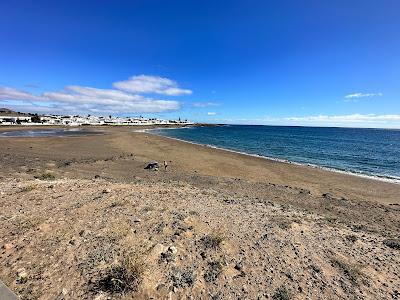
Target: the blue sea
pixel 370 152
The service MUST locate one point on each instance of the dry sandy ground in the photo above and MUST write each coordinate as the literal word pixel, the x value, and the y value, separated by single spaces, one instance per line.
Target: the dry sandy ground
pixel 94 224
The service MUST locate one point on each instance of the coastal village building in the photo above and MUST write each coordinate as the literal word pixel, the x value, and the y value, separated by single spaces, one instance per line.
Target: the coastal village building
pixel 19 119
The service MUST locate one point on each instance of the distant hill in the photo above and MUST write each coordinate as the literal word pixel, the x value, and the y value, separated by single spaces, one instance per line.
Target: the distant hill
pixel 8 112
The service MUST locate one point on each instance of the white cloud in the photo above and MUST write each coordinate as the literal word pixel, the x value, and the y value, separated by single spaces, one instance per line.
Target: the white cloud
pixel 204 104
pixel 8 93
pixel 356 96
pixel 354 118
pixel 151 84
pixel 79 99
pixel 211 113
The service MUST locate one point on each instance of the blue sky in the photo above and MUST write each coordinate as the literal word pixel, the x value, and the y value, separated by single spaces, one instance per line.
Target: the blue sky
pixel 320 63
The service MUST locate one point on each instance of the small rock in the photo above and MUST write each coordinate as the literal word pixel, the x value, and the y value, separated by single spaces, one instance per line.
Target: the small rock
pixel 153 165
pixel 100 296
pixel 8 246
pixel 173 249
pixel 22 275
pixel 106 191
pixel 327 195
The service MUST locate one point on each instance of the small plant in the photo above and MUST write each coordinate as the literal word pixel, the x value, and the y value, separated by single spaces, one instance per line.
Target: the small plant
pixel 351 238
pixel 282 293
pixel 28 188
pixel 212 241
pixel 351 271
pixel 283 222
pixel 46 176
pixel 159 227
pixel 118 230
pixel 392 243
pixel 147 209
pixel 182 278
pixel 213 271
pixel 123 277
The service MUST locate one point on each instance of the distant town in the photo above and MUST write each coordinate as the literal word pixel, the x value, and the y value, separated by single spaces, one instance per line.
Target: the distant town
pixel 9 117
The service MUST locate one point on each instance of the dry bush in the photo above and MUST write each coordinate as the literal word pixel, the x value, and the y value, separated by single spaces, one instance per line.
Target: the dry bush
pixel 122 277
pixel 351 238
pixel 119 230
pixel 282 293
pixel 28 188
pixel 392 243
pixel 213 271
pixel 351 271
pixel 212 241
pixel 46 176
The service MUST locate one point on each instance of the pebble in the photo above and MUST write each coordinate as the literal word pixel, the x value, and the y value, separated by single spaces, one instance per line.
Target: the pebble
pixel 173 249
pixel 8 246
pixel 22 275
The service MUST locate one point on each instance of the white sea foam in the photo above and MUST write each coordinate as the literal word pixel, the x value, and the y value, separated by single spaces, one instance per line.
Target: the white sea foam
pixel 391 179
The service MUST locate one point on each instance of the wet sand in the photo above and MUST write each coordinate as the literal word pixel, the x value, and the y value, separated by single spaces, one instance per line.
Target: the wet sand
pixel 203 160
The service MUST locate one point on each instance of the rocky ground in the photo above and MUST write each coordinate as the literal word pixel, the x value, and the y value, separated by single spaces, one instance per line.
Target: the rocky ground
pixel 81 218
pixel 99 239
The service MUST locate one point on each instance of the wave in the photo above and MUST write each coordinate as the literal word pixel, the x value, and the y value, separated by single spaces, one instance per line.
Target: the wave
pixel 379 177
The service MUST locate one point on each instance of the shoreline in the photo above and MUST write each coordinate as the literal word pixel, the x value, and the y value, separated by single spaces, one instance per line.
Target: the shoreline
pixel 223 219
pixel 188 159
pixel 382 178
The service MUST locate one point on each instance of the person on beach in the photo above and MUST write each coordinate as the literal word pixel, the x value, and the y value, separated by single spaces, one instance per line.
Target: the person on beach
pixel 165 165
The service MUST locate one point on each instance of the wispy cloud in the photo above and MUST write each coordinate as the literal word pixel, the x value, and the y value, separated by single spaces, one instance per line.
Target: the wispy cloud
pixel 357 96
pixel 145 84
pixel 9 93
pixel 353 118
pixel 122 99
pixel 211 113
pixel 204 104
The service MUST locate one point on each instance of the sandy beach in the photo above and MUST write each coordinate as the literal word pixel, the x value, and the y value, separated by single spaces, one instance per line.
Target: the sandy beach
pixel 82 219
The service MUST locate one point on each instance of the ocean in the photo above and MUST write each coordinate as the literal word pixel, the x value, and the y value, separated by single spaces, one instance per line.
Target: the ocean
pixel 361 151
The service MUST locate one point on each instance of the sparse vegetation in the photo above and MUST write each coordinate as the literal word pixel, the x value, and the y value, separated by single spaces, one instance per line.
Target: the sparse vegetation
pixel 213 271
pixel 282 293
pixel 123 277
pixel 103 252
pixel 351 238
pixel 392 243
pixel 118 230
pixel 147 209
pixel 212 241
pixel 352 272
pixel 159 227
pixel 283 222
pixel 28 188
pixel 182 278
pixel 46 176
